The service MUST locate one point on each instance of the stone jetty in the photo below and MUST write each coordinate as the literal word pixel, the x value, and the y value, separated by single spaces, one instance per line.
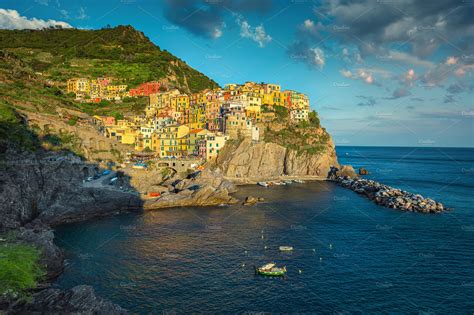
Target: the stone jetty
pixel 390 197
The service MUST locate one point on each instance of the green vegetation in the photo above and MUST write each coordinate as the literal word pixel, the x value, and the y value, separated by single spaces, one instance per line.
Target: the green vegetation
pixel 120 52
pixel 72 121
pixel 304 137
pixel 20 270
pixel 314 119
pixel 13 132
pixel 281 113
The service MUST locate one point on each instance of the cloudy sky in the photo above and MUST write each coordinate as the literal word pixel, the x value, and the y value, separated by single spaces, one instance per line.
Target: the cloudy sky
pixel 379 72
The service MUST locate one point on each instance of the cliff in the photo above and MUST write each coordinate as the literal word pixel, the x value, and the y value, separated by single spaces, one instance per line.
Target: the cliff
pixel 244 161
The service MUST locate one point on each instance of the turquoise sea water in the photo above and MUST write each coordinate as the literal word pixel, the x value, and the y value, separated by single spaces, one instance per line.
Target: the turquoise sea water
pixel 350 255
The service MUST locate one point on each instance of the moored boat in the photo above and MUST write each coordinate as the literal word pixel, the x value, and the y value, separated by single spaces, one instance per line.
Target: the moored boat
pixel 263 184
pixel 286 248
pixel 288 182
pixel 271 269
pixel 299 181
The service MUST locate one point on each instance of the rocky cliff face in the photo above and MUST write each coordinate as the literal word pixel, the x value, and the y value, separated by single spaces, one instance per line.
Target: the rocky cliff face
pixel 48 189
pixel 249 162
pixel 80 299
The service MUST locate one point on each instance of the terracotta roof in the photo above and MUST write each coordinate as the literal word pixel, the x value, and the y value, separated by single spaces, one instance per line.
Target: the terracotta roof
pixel 196 130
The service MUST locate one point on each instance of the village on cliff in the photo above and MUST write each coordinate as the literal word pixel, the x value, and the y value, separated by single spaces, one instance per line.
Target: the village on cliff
pixel 190 126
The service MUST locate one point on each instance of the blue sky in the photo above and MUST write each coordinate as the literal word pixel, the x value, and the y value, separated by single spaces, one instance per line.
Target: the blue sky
pixel 378 72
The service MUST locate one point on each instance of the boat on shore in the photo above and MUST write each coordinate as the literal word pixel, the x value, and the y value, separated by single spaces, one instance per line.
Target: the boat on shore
pixel 271 270
pixel 285 248
pixel 279 183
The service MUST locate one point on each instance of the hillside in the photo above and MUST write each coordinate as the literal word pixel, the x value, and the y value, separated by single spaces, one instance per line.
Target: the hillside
pixel 35 65
pixel 120 52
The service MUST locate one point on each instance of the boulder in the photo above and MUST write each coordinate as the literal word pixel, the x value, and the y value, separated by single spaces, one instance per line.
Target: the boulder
pixel 363 171
pixel 347 171
pixel 250 201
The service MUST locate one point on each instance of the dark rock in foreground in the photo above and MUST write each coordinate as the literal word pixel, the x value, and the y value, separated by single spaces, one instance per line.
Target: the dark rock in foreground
pixel 78 300
pixel 390 197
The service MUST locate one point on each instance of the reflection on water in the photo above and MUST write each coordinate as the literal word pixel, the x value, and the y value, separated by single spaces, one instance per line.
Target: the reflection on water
pixel 350 255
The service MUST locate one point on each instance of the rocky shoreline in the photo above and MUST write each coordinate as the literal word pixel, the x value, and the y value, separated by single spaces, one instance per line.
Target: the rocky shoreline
pixel 42 193
pixel 390 197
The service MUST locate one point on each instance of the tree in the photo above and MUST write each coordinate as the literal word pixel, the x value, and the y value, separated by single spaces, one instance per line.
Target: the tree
pixel 314 119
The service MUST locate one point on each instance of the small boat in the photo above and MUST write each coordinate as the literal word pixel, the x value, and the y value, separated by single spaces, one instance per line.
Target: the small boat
pixel 271 269
pixel 299 181
pixel 263 184
pixel 279 183
pixel 286 248
pixel 139 166
pixel 288 182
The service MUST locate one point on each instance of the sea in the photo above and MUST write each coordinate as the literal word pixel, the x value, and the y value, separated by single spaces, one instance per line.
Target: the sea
pixel 349 254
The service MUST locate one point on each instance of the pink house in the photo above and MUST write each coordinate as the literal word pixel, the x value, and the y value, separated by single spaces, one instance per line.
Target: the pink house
pixel 108 120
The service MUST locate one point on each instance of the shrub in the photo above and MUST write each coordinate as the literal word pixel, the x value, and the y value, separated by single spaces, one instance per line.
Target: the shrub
pixel 314 119
pixel 20 270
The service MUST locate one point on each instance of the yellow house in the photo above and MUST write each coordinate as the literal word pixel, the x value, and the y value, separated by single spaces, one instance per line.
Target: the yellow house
pixel 129 136
pixel 193 137
pixel 253 112
pixel 196 117
pixel 78 86
pixel 214 143
pixel 171 140
pixel 180 103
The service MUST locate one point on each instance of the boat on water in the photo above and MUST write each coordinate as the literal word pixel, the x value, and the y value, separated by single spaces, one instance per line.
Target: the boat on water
pixel 271 269
pixel 286 248
pixel 279 183
pixel 299 181
pixel 287 182
pixel 263 184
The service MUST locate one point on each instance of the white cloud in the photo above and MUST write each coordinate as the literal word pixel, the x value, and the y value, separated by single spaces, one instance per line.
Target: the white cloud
pixel 409 59
pixel 317 57
pixel 451 60
pixel 82 14
pixel 217 33
pixel 11 19
pixel 364 74
pixel 410 74
pixel 346 73
pixel 308 24
pixel 64 13
pixel 256 34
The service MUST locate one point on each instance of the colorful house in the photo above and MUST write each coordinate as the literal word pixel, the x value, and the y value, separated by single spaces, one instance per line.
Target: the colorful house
pixel 171 141
pixel 145 89
pixel 214 143
pixel 194 136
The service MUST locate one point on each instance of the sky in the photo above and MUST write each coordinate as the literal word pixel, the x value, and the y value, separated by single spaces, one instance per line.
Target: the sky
pixel 378 72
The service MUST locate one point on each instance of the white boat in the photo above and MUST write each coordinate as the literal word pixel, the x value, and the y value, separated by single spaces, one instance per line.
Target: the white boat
pixel 288 182
pixel 268 266
pixel 279 183
pixel 299 181
pixel 286 248
pixel 263 184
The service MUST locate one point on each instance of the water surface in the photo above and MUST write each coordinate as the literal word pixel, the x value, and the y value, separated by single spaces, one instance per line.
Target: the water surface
pixel 350 254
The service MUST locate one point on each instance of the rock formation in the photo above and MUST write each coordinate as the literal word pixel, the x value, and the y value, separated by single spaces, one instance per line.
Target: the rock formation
pixel 248 162
pixel 80 299
pixel 390 197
